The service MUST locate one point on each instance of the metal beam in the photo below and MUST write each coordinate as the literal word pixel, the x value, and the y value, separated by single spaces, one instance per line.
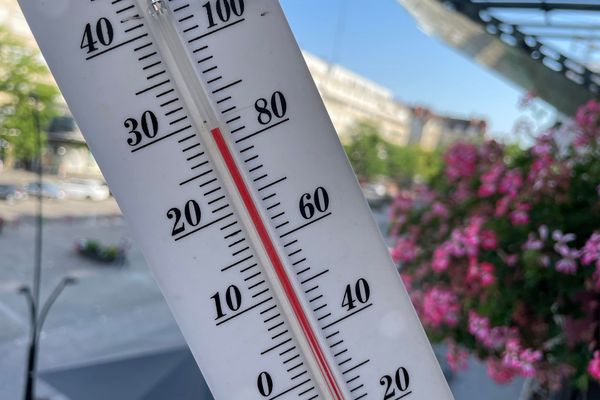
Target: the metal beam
pixel 582 27
pixel 564 36
pixel 543 6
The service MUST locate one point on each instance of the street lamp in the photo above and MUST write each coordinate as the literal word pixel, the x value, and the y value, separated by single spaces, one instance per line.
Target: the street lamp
pixel 38 312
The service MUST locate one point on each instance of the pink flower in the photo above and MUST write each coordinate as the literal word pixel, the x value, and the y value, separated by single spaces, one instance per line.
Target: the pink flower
pixel 521 360
pixel 489 241
pixel 479 326
pixel 591 251
pixel 458 359
pixel 405 250
pixel 461 161
pixel 594 366
pixel 502 206
pixel 440 307
pixel 533 243
pixel 481 273
pixel 587 119
pixel 441 259
pixel 566 266
pixel 489 181
pixel 520 215
pixel 511 183
pixel 500 373
pixel 439 210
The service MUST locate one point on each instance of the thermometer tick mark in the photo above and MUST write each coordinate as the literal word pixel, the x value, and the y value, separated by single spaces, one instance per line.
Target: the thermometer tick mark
pixel 281 214
pixel 287 351
pixel 291 359
pixel 152 65
pixel 241 251
pixel 305 225
pixel 294 367
pixel 125 9
pixel 226 86
pixel 196 177
pixel 272 207
pixel 192 147
pixel 282 225
pixel 142 47
pixel 199 165
pixel 165 93
pixel 236 263
pixel 191 28
pixel 203 227
pixel 256 285
pixel 324 316
pixel 161 138
pixel 181 8
pixel 173 111
pixel 249 268
pixel 116 46
pixel 243 312
pixel 297 251
pixel 133 28
pixel 220 209
pixel 152 87
pixel 230 108
pixel 186 18
pixel 199 49
pixel 347 316
pixel 260 293
pixel 205 59
pixel 209 182
pixel 262 130
pixel 268 309
pixel 276 346
pixel 314 276
pixel 279 335
pixel 299 375
pixel 193 157
pixel 215 31
pixel 358 387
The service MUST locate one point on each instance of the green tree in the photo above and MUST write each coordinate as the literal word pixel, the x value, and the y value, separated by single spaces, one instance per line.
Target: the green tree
pixel 372 157
pixel 23 76
pixel 367 152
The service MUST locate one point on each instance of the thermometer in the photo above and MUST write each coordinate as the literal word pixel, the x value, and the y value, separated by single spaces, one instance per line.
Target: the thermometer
pixel 213 138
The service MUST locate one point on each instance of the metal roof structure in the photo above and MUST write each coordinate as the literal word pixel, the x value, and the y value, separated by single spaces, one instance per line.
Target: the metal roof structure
pixel 548 47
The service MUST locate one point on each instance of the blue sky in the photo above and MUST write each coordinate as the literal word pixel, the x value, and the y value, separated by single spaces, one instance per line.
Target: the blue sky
pixel 382 42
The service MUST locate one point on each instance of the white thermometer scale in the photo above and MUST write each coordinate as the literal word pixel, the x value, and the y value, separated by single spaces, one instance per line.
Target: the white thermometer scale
pixel 213 138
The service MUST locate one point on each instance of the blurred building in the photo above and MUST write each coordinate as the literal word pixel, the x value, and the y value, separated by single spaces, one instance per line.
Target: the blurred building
pixel 12 19
pixel 351 98
pixel 430 130
pixel 67 153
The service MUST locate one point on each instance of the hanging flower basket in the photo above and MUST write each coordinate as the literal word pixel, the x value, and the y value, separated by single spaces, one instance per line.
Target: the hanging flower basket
pixel 501 255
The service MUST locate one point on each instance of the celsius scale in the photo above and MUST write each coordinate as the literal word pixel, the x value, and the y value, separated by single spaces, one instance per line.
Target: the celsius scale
pixel 212 136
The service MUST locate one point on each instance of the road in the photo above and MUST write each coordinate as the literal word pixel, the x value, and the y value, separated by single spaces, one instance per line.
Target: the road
pixel 111 311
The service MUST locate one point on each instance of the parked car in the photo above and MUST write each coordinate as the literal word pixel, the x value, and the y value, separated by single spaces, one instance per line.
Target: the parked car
pixel 12 193
pixel 375 193
pixel 48 190
pixel 85 189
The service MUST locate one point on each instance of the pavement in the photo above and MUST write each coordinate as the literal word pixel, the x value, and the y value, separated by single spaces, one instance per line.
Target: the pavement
pixel 112 311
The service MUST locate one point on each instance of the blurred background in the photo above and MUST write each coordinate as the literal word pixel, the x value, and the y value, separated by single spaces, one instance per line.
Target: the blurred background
pixel 428 98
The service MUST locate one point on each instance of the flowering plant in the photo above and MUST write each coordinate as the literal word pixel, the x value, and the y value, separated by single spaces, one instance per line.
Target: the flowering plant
pixel 501 254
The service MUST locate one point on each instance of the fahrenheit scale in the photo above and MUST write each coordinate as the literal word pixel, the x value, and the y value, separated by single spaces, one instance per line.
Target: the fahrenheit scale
pixel 211 134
